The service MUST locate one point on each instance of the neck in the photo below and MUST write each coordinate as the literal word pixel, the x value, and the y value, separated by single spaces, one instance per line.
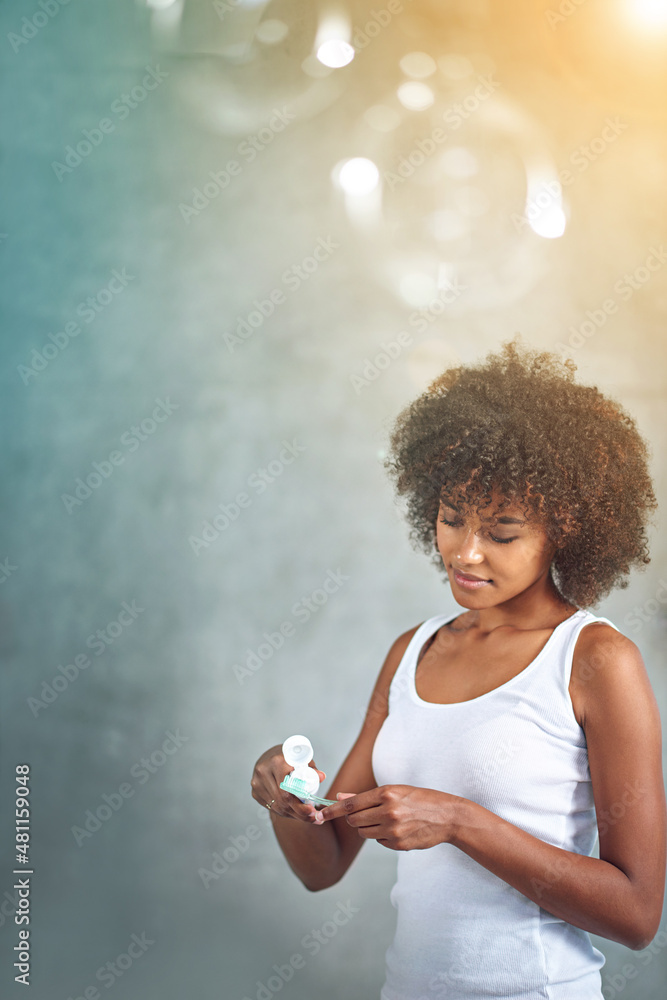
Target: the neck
pixel 539 606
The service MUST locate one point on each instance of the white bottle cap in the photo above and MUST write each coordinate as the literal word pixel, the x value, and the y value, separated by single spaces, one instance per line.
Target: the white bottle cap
pixel 297 751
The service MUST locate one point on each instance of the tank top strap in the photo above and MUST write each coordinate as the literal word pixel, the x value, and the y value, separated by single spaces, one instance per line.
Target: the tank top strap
pixel 554 659
pixel 576 623
pixel 400 683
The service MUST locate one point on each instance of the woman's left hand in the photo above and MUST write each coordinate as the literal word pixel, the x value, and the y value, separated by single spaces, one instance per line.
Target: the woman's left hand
pixel 401 817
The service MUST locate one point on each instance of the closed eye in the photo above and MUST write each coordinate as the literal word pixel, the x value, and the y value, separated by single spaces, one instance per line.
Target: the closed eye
pixel 501 541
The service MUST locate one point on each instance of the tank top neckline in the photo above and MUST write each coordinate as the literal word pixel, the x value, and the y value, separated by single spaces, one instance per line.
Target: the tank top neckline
pixel 412 665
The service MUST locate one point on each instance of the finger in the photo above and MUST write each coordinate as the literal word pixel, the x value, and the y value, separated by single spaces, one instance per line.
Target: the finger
pixel 285 804
pixel 335 811
pixel 321 774
pixel 364 818
pixel 349 802
pixel 297 809
pixel 372 833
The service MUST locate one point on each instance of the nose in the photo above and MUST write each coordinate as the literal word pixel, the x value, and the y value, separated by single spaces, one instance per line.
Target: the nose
pixel 468 550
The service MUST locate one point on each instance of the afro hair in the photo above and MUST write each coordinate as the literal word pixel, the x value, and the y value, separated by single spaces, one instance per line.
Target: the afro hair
pixel 518 424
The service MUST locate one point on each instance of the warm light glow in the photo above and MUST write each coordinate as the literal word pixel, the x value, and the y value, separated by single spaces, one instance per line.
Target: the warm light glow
pixel 455 66
pixel 459 162
pixel 471 201
pixel 271 31
pixel 550 223
pixel 415 96
pixel 448 225
pixel 650 13
pixel 335 53
pixel 359 176
pixel 417 289
pixel 312 66
pixel 334 32
pixel 418 64
pixel 544 209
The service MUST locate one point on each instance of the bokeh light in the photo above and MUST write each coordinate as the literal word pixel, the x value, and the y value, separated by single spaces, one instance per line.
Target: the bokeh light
pixel 271 31
pixel 418 64
pixel 335 53
pixel 358 176
pixel 415 96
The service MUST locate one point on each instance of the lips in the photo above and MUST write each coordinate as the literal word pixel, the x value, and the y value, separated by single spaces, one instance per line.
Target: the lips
pixel 469 583
pixel 473 579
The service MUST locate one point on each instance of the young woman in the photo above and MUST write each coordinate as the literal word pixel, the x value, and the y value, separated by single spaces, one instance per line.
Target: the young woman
pixel 500 740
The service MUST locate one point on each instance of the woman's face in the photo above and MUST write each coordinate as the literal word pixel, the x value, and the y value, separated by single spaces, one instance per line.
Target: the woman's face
pixel 509 558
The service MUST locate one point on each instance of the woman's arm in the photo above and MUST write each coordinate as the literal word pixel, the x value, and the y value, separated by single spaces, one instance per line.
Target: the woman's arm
pixel 321 853
pixel 620 895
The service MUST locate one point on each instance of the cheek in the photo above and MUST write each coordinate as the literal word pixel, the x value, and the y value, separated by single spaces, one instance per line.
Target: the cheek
pixel 529 556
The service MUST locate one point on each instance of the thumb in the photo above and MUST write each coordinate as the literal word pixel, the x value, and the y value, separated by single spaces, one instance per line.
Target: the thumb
pixel 345 795
pixel 322 774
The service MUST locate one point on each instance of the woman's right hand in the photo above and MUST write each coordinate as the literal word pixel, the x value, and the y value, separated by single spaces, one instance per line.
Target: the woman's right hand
pixel 269 771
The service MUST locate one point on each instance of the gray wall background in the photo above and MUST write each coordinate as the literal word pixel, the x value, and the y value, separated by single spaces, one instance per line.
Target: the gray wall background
pixel 163 337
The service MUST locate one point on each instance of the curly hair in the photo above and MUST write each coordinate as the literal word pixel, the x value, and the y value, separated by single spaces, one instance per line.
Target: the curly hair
pixel 518 424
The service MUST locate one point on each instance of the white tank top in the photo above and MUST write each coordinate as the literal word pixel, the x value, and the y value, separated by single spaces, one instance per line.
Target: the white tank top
pixel 461 931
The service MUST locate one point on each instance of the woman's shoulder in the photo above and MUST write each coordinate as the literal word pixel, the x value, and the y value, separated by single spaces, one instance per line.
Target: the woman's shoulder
pixel 598 635
pixel 395 655
pixel 602 658
pixel 401 643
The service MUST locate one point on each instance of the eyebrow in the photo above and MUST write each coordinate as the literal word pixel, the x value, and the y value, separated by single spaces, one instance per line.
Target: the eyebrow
pixel 500 520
